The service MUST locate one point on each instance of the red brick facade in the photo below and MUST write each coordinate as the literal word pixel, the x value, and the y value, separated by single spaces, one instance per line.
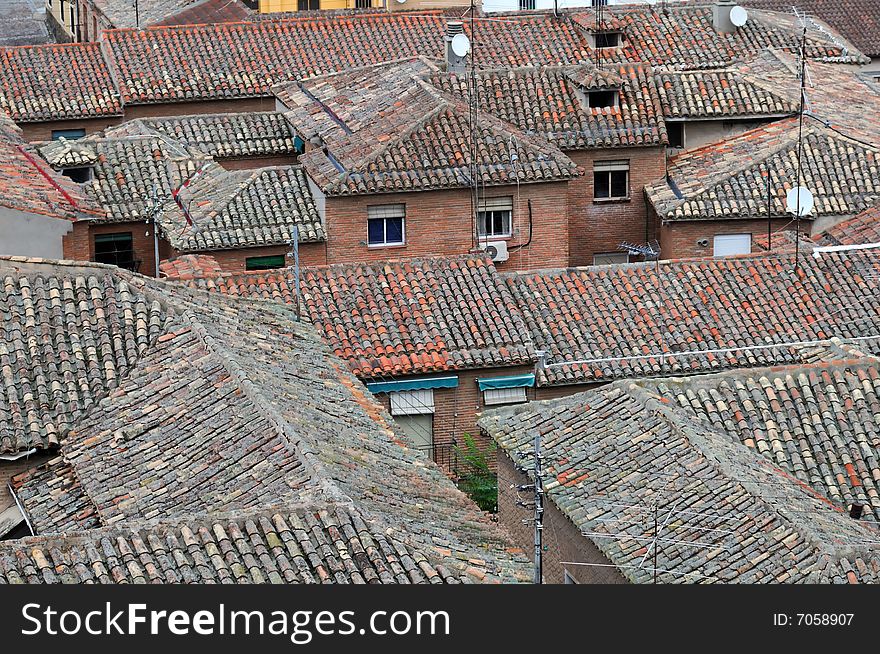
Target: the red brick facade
pixel 43 131
pixel 456 409
pixel 682 240
pixel 597 226
pixel 79 244
pixel 439 223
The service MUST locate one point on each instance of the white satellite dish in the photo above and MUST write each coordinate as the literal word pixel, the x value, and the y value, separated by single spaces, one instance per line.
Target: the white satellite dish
pixel 739 16
pixel 806 201
pixel 400 2
pixel 461 45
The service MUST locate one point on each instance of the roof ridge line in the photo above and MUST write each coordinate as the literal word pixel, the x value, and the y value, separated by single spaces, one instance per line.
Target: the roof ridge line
pixel 323 482
pixel 720 462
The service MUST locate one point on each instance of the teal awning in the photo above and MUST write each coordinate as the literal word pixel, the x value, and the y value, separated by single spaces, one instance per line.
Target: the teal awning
pixel 516 381
pixel 413 384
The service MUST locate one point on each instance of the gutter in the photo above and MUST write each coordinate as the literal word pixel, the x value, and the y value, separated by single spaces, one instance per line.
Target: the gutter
pixel 19 455
pixel 21 510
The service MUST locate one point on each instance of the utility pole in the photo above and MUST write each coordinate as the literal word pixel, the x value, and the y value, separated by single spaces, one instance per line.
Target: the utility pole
pixel 539 511
pixel 294 247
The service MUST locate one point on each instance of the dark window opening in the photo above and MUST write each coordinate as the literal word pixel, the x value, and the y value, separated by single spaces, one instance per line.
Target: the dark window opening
pixel 603 99
pixel 525 5
pixel 363 4
pixel 69 134
pixel 78 175
pixel 308 5
pixel 608 39
pixel 611 180
pixel 264 263
pixel 386 224
pixel 676 134
pixel 116 250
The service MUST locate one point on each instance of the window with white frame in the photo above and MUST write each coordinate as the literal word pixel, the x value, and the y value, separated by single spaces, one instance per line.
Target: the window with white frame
pixel 504 396
pixel 495 217
pixel 611 180
pixel 726 245
pixel 409 403
pixel 607 258
pixel 386 225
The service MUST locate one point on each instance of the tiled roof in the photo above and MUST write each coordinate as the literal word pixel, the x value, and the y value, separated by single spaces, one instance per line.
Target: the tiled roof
pixel 246 59
pixel 246 208
pixel 28 185
pixel 230 208
pixel 727 180
pixel 311 543
pixel 627 321
pixel 416 141
pixel 230 135
pixel 54 82
pixel 404 317
pixel 727 515
pixel 550 102
pixel 208 423
pixel 121 13
pixel 819 423
pixel 861 229
pixel 738 91
pixel 126 169
pixel 68 338
pixel 684 37
pixel 857 20
pixel 186 266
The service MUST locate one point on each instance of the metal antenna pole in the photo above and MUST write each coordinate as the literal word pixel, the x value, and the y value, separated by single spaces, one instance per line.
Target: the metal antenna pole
pixel 803 62
pixel 655 542
pixel 155 210
pixel 769 210
pixel 539 511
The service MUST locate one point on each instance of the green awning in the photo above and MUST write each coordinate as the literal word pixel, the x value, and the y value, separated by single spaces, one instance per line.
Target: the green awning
pixel 413 384
pixel 515 381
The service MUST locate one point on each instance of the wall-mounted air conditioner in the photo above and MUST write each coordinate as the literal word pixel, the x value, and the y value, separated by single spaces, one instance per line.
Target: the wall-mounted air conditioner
pixel 497 250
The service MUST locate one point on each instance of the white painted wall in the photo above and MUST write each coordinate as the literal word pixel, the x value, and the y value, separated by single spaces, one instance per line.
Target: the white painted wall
pixel 32 235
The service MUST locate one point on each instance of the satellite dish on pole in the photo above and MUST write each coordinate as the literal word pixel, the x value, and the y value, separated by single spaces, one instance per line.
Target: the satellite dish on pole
pixel 799 199
pixel 461 45
pixel 739 16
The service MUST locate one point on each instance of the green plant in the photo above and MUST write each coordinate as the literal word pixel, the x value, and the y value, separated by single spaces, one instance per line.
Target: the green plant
pixel 476 478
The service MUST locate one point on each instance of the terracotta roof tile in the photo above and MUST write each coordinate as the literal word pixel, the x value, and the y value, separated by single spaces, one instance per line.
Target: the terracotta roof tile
pixel 728 515
pixel 53 82
pixel 401 317
pixel 233 430
pixel 859 230
pixel 630 320
pixel 550 102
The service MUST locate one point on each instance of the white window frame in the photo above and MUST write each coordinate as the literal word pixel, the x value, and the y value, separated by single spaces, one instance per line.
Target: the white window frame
pixel 412 403
pixel 384 212
pixel 728 238
pixel 611 167
pixel 502 205
pixel 514 395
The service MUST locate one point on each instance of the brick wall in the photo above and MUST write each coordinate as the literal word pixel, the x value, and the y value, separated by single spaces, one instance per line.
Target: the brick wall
pixel 678 240
pixel 600 226
pixel 563 542
pixel 310 254
pixel 133 111
pixel 439 223
pixel 43 131
pixel 456 409
pixel 79 243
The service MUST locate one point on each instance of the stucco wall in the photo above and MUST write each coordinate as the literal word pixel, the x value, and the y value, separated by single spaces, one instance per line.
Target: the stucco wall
pixel 31 235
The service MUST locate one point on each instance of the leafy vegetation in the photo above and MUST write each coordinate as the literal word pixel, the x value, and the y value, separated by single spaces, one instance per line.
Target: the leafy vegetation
pixel 476 478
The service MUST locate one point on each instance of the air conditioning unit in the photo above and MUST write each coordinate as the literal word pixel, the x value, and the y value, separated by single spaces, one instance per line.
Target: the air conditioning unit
pixel 497 250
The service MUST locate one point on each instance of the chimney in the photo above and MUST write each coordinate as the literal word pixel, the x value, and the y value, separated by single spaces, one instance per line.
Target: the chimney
pixel 454 63
pixel 721 16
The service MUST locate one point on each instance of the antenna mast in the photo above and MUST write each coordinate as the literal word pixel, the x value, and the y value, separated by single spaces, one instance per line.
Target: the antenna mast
pixel 803 85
